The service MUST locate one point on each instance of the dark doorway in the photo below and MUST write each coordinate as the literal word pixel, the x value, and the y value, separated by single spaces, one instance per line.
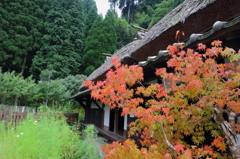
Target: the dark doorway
pixel 112 120
pixel 116 123
pixel 120 122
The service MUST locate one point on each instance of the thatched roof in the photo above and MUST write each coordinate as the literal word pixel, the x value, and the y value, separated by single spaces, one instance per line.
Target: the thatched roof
pixel 192 16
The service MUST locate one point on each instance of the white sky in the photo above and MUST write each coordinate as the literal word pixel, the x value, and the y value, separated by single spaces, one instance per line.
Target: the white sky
pixel 103 6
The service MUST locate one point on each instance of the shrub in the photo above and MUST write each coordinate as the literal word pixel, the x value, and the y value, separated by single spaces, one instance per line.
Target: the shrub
pixel 44 136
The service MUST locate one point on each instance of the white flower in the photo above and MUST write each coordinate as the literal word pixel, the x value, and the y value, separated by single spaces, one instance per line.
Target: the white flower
pixel 21 133
pixel 17 136
pixel 35 121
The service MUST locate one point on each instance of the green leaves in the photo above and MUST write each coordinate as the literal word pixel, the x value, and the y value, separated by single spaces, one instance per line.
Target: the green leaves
pixel 14 88
pixel 102 38
pixel 62 47
pixel 19 22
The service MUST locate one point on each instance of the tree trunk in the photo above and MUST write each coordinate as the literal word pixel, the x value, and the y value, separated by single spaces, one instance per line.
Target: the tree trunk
pixel 128 12
pixel 225 119
pixel 16 101
pixel 23 65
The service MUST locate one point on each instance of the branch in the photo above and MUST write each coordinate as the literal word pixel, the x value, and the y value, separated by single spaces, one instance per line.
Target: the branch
pixel 140 28
pixel 166 140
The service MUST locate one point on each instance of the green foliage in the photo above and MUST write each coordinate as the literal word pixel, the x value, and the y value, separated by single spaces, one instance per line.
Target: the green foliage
pixel 102 39
pixel 88 4
pixel 14 88
pixel 93 142
pixel 125 32
pixel 91 16
pixel 51 93
pixel 47 136
pixel 72 83
pixel 110 38
pixel 63 41
pixel 21 32
pixel 162 9
pixel 143 12
pixel 48 92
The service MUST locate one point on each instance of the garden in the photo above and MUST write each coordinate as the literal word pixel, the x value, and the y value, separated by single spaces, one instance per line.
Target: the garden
pixel 48 135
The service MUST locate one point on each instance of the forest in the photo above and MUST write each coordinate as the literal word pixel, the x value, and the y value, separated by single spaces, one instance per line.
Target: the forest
pixel 48 41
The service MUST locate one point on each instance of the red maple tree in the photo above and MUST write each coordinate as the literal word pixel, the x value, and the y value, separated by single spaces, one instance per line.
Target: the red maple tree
pixel 176 117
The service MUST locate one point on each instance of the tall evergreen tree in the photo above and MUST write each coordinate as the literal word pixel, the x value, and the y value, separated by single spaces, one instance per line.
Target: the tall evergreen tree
pixel 102 39
pixel 109 28
pixel 142 11
pixel 21 32
pixel 91 16
pixel 88 4
pixel 164 8
pixel 93 48
pixel 125 32
pixel 63 42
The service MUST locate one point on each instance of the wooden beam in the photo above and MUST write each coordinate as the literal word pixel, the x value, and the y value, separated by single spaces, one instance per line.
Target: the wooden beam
pixel 97 105
pixel 140 28
pixel 82 104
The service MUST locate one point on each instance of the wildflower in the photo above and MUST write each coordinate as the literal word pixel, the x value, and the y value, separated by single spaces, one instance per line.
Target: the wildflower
pixel 79 135
pixel 17 136
pixel 21 133
pixel 34 123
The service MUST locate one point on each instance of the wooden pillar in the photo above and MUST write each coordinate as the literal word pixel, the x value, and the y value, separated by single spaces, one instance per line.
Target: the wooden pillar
pixel 116 116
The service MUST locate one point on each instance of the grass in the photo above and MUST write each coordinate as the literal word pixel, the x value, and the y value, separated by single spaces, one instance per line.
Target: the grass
pixel 47 136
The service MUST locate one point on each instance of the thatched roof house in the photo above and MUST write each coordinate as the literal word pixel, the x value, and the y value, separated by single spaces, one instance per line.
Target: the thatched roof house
pixel 201 20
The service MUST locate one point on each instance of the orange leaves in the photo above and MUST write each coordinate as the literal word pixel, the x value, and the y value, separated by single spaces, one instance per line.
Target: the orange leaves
pixel 201 47
pixel 165 110
pixel 173 63
pixel 115 62
pixel 161 72
pixel 172 49
pixel 216 43
pixel 219 143
pixel 122 151
pixel 88 83
pixel 181 106
pixel 179 147
pixel 194 87
pixel 149 91
pixel 235 106
pixel 213 52
pixel 178 34
pixel 220 102
pixel 167 156
pixel 125 111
